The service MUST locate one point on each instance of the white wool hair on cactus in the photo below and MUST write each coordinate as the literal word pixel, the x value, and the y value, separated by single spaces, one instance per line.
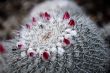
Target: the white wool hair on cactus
pixel 57 37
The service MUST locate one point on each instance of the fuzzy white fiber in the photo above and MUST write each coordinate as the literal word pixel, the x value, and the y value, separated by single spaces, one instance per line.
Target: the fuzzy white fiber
pixel 86 52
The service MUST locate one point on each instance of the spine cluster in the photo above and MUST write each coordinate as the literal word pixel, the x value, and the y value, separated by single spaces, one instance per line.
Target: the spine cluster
pixel 47 36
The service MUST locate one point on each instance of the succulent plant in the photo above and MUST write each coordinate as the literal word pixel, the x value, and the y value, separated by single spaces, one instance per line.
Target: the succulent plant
pixel 57 37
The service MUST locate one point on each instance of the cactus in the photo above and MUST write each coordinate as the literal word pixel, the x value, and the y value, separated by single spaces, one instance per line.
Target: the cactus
pixel 57 37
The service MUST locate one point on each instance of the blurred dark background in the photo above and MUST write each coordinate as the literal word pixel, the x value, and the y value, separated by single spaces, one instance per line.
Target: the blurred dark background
pixel 99 10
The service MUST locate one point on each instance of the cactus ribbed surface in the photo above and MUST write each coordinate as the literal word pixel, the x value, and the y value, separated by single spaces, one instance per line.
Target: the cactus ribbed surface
pixel 86 53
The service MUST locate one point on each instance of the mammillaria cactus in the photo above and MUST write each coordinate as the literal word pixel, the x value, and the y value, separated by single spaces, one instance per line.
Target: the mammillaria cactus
pixel 57 37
